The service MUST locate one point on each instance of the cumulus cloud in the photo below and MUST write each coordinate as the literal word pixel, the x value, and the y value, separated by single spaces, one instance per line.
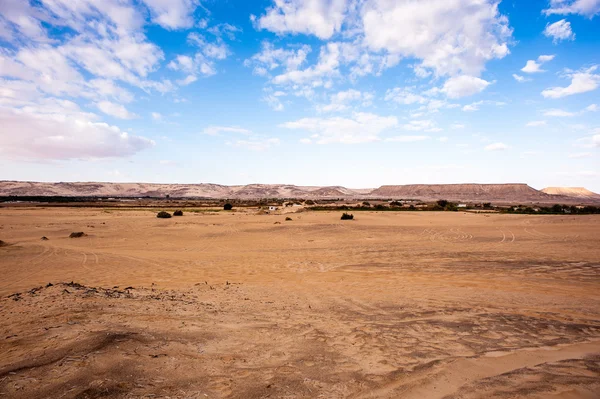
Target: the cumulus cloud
pixel 271 58
pixel 172 14
pixel 449 37
pixel 315 75
pixel 446 39
pixel 520 79
pixel 464 85
pixel 405 96
pixel 59 130
pixel 316 17
pixel 116 110
pixel 360 128
pixel 533 66
pixel 581 82
pixel 559 31
pixel 342 101
pixel 496 147
pixel 587 8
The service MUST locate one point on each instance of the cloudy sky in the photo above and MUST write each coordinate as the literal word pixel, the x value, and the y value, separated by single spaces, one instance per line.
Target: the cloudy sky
pixel 316 92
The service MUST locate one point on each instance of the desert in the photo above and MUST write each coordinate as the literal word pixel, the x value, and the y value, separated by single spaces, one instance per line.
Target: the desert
pixel 245 304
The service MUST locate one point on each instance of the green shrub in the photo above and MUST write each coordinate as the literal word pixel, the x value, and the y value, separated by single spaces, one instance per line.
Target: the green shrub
pixel 163 215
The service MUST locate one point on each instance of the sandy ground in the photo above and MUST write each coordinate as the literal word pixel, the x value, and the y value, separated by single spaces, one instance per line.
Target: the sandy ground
pixel 390 305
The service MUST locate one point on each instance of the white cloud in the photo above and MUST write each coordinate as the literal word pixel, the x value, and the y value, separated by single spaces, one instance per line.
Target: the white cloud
pixel 456 126
pixel 251 140
pixel 496 147
pixel 559 113
pixel 405 96
pixel 172 14
pixel 273 99
pixel 361 128
pixel 443 139
pixel 581 82
pixel 315 75
pixel 580 155
pixel 407 139
pixel 271 58
pixel 592 108
pixel 536 124
pixel 472 107
pixel 592 141
pixel 342 100
pixel 255 144
pixel 156 116
pixel 58 129
pixel 422 125
pixel 449 37
pixel 535 66
pixel 588 8
pixel 316 17
pixel 464 85
pixel 520 79
pixel 218 49
pixel 116 110
pixel 560 30
pixel 217 130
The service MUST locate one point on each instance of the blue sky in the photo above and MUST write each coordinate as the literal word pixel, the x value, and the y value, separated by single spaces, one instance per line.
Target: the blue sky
pixel 351 92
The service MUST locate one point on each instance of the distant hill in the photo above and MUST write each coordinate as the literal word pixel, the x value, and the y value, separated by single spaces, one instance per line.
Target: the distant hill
pixel 203 190
pixel 575 192
pixel 512 193
pixel 498 193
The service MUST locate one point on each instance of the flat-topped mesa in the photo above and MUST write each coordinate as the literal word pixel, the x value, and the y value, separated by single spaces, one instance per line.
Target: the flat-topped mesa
pixel 512 192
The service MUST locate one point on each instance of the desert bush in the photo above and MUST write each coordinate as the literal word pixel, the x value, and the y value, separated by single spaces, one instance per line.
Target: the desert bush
pixel 442 203
pixel 228 207
pixel 395 203
pixel 178 213
pixel 347 216
pixel 163 215
pixel 288 219
pixel 77 234
pixel 309 202
pixel 366 203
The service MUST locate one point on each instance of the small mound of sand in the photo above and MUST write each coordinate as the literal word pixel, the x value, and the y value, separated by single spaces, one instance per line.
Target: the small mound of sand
pixel 44 238
pixel 77 234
